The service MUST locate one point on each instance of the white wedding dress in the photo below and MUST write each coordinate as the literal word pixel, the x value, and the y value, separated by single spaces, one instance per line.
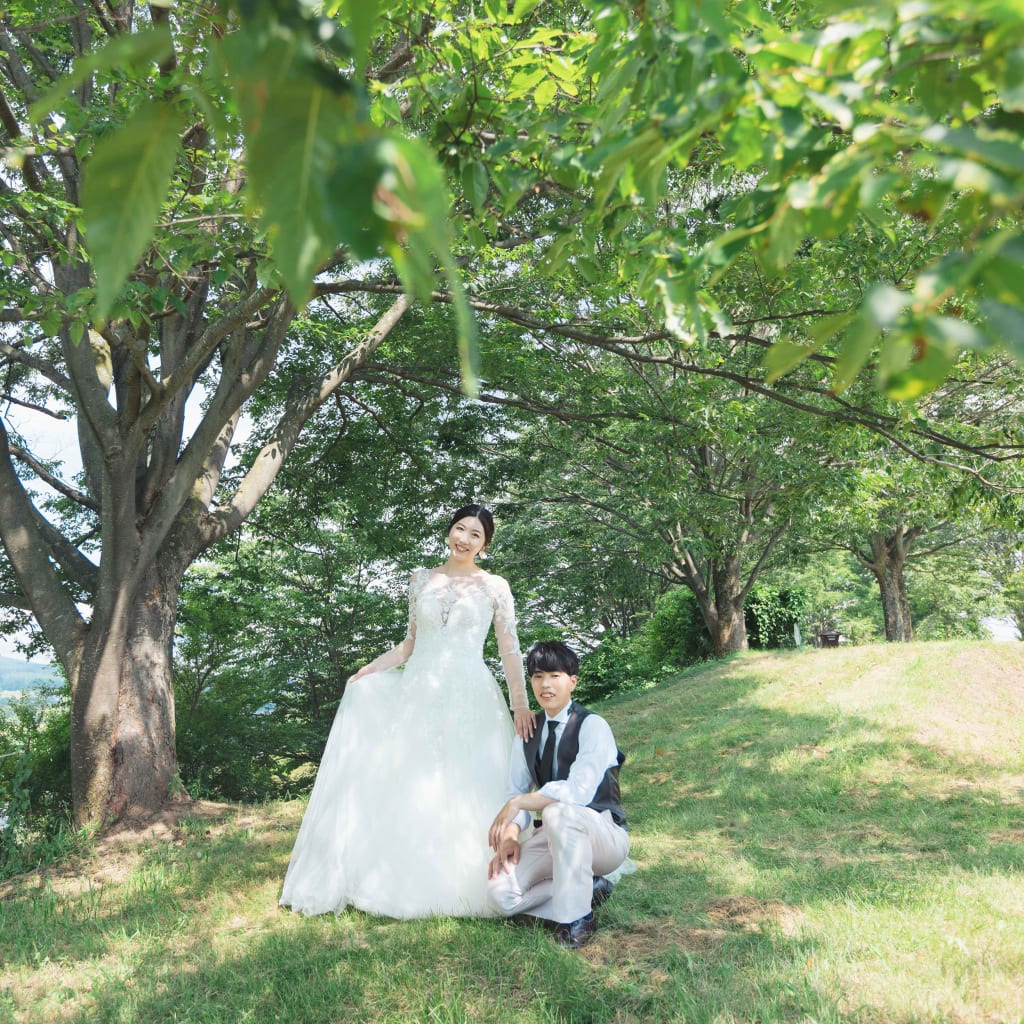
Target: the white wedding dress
pixel 416 765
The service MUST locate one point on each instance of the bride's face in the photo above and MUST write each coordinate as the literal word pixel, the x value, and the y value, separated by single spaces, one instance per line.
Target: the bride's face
pixel 466 539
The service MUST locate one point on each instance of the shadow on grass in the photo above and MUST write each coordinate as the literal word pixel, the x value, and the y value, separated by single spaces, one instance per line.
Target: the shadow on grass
pixel 164 953
pixel 823 806
pixel 41 922
pixel 357 968
pixel 809 808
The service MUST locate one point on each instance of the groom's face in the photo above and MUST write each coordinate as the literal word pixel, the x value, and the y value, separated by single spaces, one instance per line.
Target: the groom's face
pixel 553 690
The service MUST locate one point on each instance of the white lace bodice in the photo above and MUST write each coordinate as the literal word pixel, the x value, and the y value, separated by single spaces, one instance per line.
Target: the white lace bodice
pixel 449 617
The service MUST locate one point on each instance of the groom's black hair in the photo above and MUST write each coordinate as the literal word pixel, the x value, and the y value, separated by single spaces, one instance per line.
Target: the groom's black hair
pixel 552 656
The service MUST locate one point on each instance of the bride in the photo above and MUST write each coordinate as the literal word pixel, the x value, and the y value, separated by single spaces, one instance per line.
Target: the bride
pixel 417 758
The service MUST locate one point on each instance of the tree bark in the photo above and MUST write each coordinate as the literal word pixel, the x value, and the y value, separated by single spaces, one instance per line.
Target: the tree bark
pixel 887 561
pixel 729 627
pixel 721 596
pixel 124 763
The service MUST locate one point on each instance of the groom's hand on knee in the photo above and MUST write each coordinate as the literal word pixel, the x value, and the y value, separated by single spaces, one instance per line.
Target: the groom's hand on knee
pixel 505 859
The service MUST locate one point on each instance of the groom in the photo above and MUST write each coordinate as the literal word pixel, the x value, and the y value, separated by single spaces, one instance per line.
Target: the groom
pixel 571 789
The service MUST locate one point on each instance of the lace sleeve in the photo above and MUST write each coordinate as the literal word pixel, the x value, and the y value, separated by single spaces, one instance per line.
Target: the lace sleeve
pixel 400 654
pixel 417 582
pixel 508 643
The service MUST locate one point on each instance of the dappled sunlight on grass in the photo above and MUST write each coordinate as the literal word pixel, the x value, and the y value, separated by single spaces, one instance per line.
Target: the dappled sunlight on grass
pixel 828 780
pixel 810 845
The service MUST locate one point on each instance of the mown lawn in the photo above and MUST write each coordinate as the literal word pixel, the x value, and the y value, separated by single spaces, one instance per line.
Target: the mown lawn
pixel 821 836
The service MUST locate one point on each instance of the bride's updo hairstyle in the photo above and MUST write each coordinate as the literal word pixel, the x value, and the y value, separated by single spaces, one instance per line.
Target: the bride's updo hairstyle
pixel 478 512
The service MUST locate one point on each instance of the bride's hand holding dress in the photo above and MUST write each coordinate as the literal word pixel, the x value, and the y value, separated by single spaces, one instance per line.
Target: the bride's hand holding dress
pixel 418 751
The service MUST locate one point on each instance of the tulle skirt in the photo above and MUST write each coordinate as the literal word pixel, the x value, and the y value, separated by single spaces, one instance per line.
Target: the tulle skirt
pixel 415 769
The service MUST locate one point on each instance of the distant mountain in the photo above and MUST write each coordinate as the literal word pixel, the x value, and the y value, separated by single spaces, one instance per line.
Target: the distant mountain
pixel 17 675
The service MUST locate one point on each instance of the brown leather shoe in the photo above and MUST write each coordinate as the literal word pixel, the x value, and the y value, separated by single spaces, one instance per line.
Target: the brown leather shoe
pixel 576 933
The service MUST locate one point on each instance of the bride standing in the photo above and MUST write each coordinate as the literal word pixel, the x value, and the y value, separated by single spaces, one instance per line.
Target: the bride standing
pixel 417 758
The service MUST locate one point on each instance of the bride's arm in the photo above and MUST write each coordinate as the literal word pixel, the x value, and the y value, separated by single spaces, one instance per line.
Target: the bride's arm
pixel 511 657
pixel 400 654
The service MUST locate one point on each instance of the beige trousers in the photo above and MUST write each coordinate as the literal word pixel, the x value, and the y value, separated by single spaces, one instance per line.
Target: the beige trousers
pixel 554 878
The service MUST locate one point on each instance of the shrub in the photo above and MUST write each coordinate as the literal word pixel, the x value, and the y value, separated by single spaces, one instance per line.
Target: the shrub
pixel 771 615
pixel 35 782
pixel 617 665
pixel 676 635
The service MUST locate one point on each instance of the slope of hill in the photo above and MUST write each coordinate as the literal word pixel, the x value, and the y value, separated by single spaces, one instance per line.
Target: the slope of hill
pixel 819 835
pixel 17 675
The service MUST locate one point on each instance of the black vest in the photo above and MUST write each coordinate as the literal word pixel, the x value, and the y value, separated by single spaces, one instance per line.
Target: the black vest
pixel 607 797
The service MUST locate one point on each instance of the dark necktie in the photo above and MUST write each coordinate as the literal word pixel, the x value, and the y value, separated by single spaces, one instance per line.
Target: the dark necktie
pixel 546 772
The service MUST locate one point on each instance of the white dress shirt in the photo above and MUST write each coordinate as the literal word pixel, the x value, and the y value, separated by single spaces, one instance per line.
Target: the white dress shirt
pixel 597 753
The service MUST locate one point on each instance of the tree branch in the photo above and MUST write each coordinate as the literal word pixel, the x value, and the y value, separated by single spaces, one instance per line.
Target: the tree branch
pixel 627 347
pixel 270 459
pixel 12 400
pixel 79 497
pixel 11 600
pixel 184 375
pixel 28 551
pixel 17 354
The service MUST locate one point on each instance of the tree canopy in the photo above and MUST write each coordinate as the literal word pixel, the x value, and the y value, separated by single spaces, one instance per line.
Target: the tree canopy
pixel 225 209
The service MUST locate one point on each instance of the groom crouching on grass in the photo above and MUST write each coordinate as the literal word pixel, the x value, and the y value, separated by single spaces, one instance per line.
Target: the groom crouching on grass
pixel 571 787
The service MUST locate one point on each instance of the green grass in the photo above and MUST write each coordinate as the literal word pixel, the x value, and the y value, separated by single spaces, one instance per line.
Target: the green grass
pixel 821 836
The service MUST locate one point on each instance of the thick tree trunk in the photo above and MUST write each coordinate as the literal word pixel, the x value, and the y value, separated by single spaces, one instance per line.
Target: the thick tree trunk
pixel 124 763
pixel 887 562
pixel 895 607
pixel 729 630
pixel 721 598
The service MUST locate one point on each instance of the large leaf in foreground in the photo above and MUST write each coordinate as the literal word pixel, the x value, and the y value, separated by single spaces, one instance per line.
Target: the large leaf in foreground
pixel 124 186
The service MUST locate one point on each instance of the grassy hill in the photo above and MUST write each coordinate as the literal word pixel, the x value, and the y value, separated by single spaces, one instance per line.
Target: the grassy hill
pixel 16 674
pixel 833 836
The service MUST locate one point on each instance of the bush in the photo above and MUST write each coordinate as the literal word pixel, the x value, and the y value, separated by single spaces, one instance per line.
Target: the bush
pixel 616 666
pixel 676 635
pixel 35 782
pixel 236 743
pixel 771 615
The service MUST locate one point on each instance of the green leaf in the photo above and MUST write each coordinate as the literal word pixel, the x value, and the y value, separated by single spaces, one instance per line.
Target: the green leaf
pixel 545 92
pixel 361 16
pixel 829 326
pixel 292 155
pixel 413 194
pixel 885 304
pixel 523 8
pixel 785 232
pixel 682 312
pixel 932 355
pixel 590 270
pixel 525 82
pixel 1007 324
pixel 347 199
pixel 312 163
pixel 124 186
pixel 476 237
pixel 127 49
pixel 786 355
pixel 1002 275
pixel 385 108
pixel 1012 89
pixel 856 347
pixel 995 149
pixel 475 183
pixel 834 107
